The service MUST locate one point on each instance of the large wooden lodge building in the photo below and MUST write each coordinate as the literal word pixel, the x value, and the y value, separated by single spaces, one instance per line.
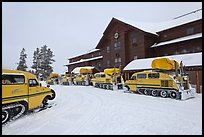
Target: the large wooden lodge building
pixel 125 41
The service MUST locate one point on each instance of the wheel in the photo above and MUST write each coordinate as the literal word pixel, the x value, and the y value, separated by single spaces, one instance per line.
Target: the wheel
pixel 141 91
pixel 173 94
pixel 127 88
pixel 44 102
pixel 163 94
pixel 145 92
pixel 6 114
pixel 154 93
pixel 53 94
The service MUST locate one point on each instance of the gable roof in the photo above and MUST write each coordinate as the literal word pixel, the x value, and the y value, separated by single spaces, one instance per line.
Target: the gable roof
pixel 155 27
pixel 192 59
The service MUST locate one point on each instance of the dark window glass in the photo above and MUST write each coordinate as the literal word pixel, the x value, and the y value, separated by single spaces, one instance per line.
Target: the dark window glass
pixel 133 78
pixel 153 75
pixel 117 45
pixel 141 75
pixel 190 31
pixel 13 79
pixel 33 83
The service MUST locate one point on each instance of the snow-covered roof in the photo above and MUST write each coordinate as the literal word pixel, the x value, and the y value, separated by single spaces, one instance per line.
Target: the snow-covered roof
pixel 193 59
pixel 85 60
pixel 154 27
pixel 77 69
pixel 90 51
pixel 199 35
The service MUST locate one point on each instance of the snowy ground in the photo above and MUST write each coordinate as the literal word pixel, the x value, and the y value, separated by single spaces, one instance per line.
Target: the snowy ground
pixel 90 111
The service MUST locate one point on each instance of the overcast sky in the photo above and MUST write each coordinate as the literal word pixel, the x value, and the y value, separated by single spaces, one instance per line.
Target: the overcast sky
pixel 71 29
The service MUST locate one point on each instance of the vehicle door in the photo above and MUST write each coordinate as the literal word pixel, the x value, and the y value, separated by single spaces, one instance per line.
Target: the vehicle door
pixel 132 83
pixel 36 94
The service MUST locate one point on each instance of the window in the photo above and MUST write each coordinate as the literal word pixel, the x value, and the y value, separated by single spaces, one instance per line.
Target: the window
pixel 133 78
pixel 97 75
pixel 141 75
pixel 33 83
pixel 117 60
pixel 117 45
pixel 190 31
pixel 108 63
pixel 99 65
pixel 13 79
pixel 153 75
pixel 134 40
pixel 108 49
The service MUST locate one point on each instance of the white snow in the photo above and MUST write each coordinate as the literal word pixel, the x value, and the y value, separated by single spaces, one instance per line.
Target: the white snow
pixel 77 69
pixel 192 59
pixel 91 111
pixel 90 51
pixel 154 27
pixel 85 60
pixel 199 35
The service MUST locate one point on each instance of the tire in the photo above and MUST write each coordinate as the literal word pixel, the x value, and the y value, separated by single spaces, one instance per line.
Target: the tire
pixel 140 91
pixel 145 92
pixel 154 93
pixel 53 95
pixel 174 94
pixel 6 115
pixel 127 88
pixel 44 102
pixel 163 94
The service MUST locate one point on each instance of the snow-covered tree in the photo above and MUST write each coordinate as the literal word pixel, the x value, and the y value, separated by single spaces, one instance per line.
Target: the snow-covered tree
pixel 36 62
pixel 22 62
pixel 45 60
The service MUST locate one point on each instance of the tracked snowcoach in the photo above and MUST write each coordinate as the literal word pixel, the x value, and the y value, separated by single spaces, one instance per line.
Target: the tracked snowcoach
pixel 84 77
pixel 67 79
pixel 109 79
pixel 53 79
pixel 166 79
pixel 21 91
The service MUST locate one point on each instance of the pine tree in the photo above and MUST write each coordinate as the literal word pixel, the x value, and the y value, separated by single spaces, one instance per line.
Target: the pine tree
pixel 46 60
pixel 22 62
pixel 36 62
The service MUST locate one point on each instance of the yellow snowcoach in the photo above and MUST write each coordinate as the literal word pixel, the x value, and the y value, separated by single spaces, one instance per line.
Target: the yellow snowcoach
pixel 109 79
pixel 21 91
pixel 84 77
pixel 67 79
pixel 166 79
pixel 53 79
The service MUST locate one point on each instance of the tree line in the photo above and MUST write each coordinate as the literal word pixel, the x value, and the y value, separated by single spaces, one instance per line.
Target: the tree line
pixel 42 62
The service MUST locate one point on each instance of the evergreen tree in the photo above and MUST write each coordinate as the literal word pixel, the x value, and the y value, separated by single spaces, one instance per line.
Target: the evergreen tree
pixel 36 62
pixel 46 60
pixel 22 62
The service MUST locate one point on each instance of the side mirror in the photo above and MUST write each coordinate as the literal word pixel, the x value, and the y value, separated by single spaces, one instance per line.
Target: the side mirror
pixel 48 85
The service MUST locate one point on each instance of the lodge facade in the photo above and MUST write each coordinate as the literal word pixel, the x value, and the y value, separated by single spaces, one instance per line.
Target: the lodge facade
pixel 123 42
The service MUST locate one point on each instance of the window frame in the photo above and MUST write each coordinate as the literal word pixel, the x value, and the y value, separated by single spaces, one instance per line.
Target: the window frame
pixel 23 76
pixel 37 83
